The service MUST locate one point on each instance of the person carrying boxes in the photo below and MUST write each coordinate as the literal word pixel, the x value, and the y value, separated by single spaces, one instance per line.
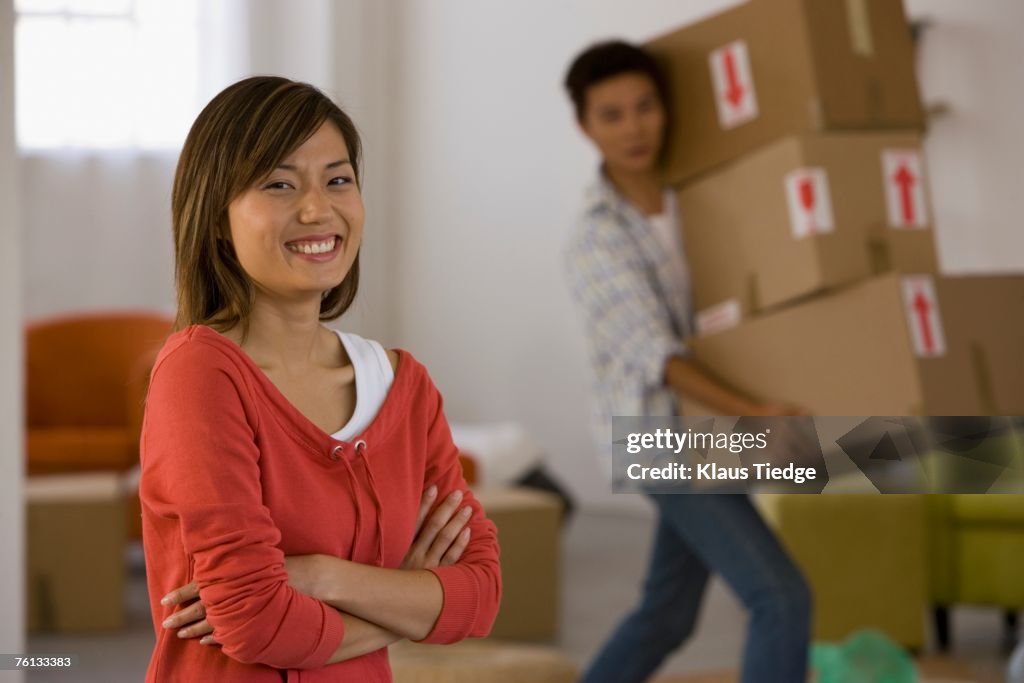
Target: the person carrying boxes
pixel 629 276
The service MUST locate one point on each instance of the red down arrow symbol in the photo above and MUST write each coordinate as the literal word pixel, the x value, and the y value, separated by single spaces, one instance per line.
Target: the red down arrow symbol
pixel 734 91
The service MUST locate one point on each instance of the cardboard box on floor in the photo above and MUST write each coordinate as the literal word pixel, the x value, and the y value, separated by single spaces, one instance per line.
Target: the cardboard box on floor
pixel 803 215
pixel 529 532
pixel 480 661
pixel 891 345
pixel 770 68
pixel 75 527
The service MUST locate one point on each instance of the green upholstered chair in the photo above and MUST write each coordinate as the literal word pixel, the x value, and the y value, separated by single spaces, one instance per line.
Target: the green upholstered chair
pixel 864 556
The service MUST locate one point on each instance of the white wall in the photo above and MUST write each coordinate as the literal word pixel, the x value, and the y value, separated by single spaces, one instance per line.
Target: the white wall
pixel 12 620
pixel 970 59
pixel 489 178
pixel 363 61
pixel 97 231
pixel 490 170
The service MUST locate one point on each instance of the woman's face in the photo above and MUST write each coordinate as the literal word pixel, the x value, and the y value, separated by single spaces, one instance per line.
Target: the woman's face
pixel 624 116
pixel 297 231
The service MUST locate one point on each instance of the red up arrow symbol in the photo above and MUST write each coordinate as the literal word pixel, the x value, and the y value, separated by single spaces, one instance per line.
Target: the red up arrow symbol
pixel 734 90
pixel 922 308
pixel 905 180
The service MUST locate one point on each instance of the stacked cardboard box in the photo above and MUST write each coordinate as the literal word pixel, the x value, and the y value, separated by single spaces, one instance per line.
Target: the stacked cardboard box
pixel 796 154
pixel 75 530
pixel 773 68
pixel 529 524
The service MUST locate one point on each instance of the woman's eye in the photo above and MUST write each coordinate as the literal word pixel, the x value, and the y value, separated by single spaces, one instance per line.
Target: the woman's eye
pixel 339 181
pixel 277 185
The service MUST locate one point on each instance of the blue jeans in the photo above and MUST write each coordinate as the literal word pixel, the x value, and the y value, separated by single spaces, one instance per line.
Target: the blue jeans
pixel 698 534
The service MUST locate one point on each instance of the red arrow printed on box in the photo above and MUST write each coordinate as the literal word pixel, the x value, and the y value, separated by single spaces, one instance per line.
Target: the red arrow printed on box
pixel 905 179
pixel 922 307
pixel 922 311
pixel 734 92
pixel 732 81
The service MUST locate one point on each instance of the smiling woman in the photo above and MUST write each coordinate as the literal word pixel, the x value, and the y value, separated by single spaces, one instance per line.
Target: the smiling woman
pixel 254 178
pixel 302 500
pixel 279 225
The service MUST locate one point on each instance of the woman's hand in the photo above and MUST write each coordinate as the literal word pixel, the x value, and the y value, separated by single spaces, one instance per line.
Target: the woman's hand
pixel 438 543
pixel 190 620
pixel 307 574
pixel 442 540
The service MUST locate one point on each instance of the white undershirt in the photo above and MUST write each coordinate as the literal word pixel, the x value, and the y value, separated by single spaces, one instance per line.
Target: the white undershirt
pixel 665 231
pixel 374 376
pixel 665 228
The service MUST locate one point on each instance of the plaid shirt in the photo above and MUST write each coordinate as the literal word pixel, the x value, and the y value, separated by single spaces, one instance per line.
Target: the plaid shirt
pixel 635 298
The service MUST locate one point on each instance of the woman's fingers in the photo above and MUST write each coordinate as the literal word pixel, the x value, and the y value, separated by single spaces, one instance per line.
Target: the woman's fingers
pixel 208 640
pixel 456 549
pixel 181 594
pixel 448 536
pixel 426 503
pixel 185 616
pixel 428 535
pixel 200 628
pixel 436 521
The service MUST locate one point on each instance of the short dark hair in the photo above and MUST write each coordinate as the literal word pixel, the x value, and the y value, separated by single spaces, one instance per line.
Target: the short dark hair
pixel 604 60
pixel 241 135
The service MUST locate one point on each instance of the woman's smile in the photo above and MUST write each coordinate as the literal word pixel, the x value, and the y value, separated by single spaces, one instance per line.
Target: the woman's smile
pixel 316 248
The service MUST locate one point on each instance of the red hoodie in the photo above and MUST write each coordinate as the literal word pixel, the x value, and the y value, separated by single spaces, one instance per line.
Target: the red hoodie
pixel 234 478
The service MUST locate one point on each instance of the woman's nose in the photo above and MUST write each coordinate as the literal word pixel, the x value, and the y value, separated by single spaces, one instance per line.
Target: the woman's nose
pixel 315 206
pixel 632 124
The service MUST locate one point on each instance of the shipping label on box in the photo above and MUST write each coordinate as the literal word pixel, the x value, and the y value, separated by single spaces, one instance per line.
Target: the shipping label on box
pixel 809 201
pixel 719 317
pixel 923 319
pixel 735 97
pixel 903 173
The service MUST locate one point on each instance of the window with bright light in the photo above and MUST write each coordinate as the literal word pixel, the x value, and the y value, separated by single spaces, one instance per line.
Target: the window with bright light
pixel 105 73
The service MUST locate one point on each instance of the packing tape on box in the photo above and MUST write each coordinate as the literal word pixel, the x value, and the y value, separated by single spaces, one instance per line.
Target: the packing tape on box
pixel 859 21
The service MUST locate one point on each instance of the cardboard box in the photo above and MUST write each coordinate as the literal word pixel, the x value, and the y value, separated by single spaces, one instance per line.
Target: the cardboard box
pixel 990 312
pixel 803 215
pixel 479 661
pixel 771 68
pixel 529 533
pixel 891 345
pixel 75 537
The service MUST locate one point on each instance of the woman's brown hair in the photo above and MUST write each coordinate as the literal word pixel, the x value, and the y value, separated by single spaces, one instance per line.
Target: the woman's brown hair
pixel 239 138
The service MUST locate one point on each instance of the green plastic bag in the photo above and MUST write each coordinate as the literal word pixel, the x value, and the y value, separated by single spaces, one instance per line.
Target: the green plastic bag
pixel 866 657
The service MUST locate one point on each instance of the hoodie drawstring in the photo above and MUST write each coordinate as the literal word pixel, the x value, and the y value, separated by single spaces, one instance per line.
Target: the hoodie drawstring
pixel 361 449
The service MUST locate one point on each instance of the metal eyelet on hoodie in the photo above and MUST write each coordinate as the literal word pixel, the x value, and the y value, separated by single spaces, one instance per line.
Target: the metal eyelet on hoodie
pixel 337 452
pixel 360 446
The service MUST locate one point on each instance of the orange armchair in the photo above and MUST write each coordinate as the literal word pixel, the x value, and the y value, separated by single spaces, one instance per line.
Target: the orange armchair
pixel 85 384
